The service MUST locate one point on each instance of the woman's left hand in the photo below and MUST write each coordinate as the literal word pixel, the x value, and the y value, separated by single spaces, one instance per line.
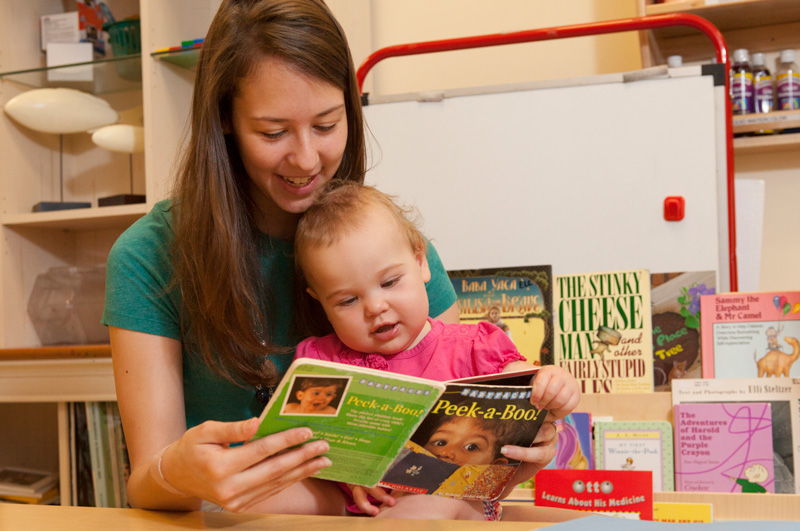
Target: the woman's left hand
pixel 532 459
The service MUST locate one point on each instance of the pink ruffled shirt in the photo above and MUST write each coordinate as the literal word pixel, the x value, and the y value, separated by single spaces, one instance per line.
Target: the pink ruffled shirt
pixel 449 351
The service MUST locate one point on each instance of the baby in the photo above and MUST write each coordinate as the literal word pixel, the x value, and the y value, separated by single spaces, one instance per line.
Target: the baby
pixel 313 397
pixel 364 261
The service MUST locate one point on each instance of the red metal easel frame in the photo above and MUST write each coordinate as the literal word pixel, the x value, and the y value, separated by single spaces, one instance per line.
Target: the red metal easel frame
pixel 583 30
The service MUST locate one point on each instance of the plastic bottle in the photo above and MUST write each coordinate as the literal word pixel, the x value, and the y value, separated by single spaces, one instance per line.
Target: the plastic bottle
pixel 788 84
pixel 741 83
pixel 764 96
pixel 674 61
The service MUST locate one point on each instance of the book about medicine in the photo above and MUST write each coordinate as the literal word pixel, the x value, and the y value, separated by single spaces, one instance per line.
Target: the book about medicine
pixel 603 333
pixel 377 421
pixel 751 334
pixel 518 300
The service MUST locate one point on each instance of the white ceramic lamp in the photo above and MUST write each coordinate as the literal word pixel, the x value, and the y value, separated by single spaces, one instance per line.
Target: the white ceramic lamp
pixel 60 111
pixel 121 138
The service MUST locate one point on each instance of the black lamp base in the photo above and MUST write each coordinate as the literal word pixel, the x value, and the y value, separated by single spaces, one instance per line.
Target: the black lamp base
pixel 47 206
pixel 121 199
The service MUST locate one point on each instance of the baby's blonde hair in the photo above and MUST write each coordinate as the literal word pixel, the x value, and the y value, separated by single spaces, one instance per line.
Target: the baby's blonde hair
pixel 340 209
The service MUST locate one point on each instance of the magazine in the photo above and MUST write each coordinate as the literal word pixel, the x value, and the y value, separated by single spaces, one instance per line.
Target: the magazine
pixel 377 421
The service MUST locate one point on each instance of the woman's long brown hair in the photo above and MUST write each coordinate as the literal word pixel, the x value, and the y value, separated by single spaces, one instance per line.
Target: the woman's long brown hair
pixel 227 307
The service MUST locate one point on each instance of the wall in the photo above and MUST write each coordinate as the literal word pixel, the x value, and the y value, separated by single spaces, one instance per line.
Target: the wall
pixel 421 20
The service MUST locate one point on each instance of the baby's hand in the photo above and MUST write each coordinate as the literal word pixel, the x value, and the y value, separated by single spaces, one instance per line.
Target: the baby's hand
pixel 360 496
pixel 556 390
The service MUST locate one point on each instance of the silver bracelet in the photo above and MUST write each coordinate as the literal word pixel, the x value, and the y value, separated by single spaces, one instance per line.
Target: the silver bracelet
pixel 158 474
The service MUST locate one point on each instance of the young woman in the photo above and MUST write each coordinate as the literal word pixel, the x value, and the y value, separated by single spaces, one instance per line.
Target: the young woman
pixel 200 292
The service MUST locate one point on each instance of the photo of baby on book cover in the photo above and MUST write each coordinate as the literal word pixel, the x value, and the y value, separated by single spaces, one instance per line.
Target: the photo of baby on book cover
pixel 455 452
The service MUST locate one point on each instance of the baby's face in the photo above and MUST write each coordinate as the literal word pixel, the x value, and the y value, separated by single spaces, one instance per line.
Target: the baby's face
pixel 371 284
pixel 316 398
pixel 462 442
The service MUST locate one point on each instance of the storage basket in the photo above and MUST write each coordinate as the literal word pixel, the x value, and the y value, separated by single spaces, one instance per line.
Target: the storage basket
pixel 125 40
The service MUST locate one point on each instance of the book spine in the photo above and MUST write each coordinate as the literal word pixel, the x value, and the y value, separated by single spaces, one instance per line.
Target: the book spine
pixel 95 432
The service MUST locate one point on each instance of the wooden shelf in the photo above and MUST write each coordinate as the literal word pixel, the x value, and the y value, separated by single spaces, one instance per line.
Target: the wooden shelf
pixel 57 380
pixel 80 218
pixel 727 506
pixel 730 15
pixel 758 25
pixel 766 143
pixel 56 352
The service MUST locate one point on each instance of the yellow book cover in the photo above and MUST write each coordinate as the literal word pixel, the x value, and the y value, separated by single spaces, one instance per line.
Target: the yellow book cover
pixel 683 513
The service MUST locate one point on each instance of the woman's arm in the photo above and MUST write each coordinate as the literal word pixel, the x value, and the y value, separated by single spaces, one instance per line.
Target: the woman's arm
pixel 198 463
pixel 450 315
pixel 149 383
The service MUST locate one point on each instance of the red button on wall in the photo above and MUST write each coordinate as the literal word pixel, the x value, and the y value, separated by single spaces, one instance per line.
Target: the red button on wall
pixel 674 208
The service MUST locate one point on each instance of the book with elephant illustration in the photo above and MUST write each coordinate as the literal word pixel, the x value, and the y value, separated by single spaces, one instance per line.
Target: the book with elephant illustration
pixel 407 432
pixel 735 398
pixel 751 334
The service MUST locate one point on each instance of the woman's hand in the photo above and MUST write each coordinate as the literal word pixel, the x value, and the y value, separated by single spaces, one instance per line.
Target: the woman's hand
pixel 202 464
pixel 557 391
pixel 534 458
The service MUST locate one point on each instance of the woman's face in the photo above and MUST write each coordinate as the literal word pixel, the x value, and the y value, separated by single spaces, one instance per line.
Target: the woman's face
pixel 291 130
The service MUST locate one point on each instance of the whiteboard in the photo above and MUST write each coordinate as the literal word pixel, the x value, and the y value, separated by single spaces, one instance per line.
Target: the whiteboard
pixel 571 174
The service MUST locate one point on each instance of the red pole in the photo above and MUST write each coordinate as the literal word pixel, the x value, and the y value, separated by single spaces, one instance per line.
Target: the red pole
pixel 583 30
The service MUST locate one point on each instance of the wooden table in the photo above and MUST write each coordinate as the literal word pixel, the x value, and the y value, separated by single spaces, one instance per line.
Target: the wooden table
pixel 50 517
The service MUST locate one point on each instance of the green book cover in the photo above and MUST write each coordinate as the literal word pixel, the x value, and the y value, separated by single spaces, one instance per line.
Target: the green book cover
pixel 366 415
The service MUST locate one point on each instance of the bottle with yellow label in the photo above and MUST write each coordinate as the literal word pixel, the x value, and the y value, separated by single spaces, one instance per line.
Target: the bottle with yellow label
pixel 741 83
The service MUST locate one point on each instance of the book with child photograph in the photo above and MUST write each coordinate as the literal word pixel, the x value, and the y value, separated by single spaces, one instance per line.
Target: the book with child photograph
pixel 375 419
pixel 455 452
pixel 518 300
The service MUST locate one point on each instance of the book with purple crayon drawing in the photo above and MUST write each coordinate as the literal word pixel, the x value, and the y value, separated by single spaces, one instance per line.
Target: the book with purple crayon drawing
pixel 724 447
pixel 783 396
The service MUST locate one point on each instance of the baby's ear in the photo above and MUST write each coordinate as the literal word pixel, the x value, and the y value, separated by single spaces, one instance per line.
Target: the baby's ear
pixel 422 260
pixel 311 292
pixel 500 461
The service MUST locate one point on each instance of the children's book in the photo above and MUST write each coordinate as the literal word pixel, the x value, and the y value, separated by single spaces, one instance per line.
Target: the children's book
pixel 603 333
pixel 683 513
pixel 519 300
pixel 574 445
pixel 636 445
pixel 751 334
pixel 783 396
pixel 432 437
pixel 622 493
pixel 675 299
pixel 725 447
pixel 19 481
